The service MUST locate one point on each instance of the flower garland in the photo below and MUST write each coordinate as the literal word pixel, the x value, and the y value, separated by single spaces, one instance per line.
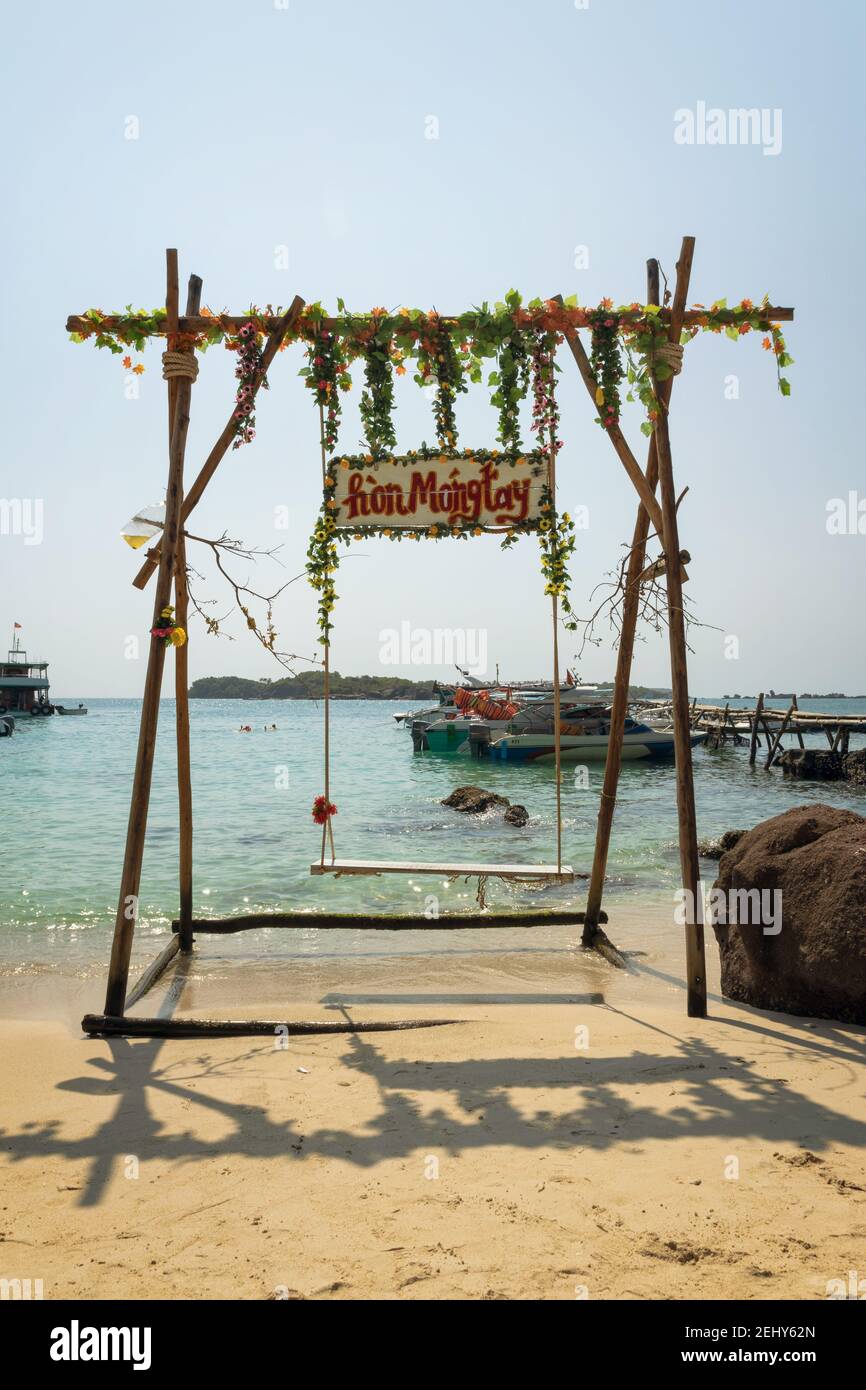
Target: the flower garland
pixel 327 375
pixel 166 630
pixel 438 361
pixel 377 398
pixel 477 334
pixel 322 562
pixel 247 369
pixel 606 363
pixel 512 383
pixel 555 532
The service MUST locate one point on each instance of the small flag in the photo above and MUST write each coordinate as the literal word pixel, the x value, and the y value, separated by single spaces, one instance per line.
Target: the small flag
pixel 18 625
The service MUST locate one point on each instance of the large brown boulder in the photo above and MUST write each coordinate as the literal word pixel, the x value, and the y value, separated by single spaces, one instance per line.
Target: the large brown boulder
pixel 815 857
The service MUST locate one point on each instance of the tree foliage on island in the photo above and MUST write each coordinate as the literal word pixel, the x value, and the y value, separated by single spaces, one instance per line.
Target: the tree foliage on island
pixel 309 685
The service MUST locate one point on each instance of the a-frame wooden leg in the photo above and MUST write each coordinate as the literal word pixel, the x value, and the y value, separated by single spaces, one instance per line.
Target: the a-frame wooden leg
pixel 696 979
pixel 181 692
pixel 127 909
pixel 631 606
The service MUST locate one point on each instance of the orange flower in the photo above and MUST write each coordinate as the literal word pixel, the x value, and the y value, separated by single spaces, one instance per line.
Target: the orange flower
pixel 401 371
pixel 766 344
pixel 127 361
pixel 138 369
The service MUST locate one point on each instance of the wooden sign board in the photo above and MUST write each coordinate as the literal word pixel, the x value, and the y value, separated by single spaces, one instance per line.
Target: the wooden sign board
pixel 439 493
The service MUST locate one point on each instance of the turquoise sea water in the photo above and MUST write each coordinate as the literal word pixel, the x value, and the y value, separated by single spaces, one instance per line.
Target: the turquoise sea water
pixel 65 802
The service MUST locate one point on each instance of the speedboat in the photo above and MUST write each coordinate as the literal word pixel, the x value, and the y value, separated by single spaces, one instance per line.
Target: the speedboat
pixel 586 741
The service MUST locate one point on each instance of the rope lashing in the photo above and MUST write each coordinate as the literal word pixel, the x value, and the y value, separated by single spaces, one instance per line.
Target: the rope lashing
pixel 179 364
pixel 668 355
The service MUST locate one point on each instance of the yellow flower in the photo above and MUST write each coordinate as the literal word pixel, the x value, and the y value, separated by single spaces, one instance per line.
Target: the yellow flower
pixel 387 531
pixel 177 637
pixel 344 463
pixel 434 531
pixel 477 531
pixel 329 481
pixel 599 395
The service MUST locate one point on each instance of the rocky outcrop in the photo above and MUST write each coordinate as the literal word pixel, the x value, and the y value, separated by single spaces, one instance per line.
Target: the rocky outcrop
pixel 474 800
pixel 806 868
pixel 823 764
pixel 855 766
pixel 714 849
pixel 517 815
pixel 818 763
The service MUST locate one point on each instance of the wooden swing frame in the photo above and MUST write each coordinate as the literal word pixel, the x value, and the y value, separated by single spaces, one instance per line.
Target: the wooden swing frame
pixel 168 560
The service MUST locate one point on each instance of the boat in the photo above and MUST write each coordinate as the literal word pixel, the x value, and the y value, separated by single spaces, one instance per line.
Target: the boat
pixel 586 741
pixel 23 684
pixel 7 726
pixel 482 719
pixel 61 709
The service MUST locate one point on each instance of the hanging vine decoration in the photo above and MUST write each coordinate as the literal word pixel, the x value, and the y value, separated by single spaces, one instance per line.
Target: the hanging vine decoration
pixel 512 383
pixel 374 343
pixel 555 531
pixel 247 345
pixel 327 374
pixel 439 362
pixel 606 363
pixel 323 561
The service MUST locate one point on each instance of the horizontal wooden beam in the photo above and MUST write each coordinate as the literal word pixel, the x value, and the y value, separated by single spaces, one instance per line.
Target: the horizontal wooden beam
pixel 348 921
pixel 232 322
pixel 104 1026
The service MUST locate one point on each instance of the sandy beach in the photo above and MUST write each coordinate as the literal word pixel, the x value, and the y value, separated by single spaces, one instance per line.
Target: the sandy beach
pixel 575 1135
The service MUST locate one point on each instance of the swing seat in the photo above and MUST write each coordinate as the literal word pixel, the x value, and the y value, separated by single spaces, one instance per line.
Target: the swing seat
pixel 517 872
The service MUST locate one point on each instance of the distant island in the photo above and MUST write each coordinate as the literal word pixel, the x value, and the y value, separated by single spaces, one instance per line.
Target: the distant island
pixel 309 685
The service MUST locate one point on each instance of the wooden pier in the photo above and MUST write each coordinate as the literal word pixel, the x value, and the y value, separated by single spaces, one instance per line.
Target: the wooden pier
pixel 763 726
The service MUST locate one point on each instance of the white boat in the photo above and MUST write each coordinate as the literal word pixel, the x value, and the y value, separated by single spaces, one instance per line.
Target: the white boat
pixel 61 709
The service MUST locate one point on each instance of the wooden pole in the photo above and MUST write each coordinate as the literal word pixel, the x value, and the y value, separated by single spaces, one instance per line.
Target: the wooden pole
pixel 181 696
pixel 127 909
pixel 753 742
pixel 101 1025
pixel 75 323
pixel 696 978
pixel 226 439
pixel 778 739
pixel 631 605
pixel 799 731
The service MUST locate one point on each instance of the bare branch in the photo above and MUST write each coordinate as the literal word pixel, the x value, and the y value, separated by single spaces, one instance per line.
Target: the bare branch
pixel 245 597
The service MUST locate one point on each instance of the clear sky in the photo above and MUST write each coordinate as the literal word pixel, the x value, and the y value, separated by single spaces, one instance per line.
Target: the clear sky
pixel 305 125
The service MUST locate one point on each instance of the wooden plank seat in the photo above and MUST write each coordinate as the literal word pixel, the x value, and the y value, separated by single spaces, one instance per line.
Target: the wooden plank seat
pixel 533 872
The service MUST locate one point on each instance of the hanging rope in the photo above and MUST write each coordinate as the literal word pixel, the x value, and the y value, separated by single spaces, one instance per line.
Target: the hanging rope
pixel 557 730
pixel 327 831
pixel 175 364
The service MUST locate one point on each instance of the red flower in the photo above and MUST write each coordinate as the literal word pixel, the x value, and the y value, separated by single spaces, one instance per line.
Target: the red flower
pixel 323 809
